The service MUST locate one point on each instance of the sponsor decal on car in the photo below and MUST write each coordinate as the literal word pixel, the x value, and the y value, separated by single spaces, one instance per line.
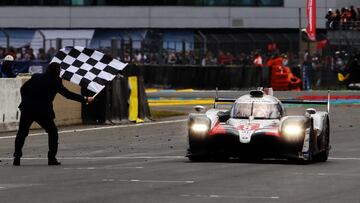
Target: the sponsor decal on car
pixel 246 130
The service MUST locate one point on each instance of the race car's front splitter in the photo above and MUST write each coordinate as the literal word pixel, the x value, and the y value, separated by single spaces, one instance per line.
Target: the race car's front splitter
pixel 260 145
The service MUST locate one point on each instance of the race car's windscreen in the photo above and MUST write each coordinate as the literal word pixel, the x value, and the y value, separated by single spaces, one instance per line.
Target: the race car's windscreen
pixel 257 110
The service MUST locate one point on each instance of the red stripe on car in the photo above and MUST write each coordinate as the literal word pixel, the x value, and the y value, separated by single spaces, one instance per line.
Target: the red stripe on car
pixel 217 129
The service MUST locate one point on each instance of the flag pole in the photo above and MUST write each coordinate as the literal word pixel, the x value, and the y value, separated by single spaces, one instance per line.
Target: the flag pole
pixel 93 97
pixel 96 94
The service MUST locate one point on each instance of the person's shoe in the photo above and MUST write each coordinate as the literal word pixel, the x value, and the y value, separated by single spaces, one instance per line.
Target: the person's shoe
pixel 53 162
pixel 16 161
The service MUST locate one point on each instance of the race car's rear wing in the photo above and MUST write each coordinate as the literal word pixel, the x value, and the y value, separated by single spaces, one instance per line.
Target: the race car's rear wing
pixel 318 102
pixel 223 101
pixel 284 101
pixel 229 100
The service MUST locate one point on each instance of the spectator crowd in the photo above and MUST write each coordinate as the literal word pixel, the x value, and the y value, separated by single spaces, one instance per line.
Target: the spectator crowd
pixel 343 19
pixel 27 53
pixel 163 57
pixel 169 57
pixel 315 63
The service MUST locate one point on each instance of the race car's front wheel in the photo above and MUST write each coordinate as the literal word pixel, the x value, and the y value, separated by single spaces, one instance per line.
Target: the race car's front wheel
pixel 196 150
pixel 197 158
pixel 196 144
pixel 323 155
pixel 309 156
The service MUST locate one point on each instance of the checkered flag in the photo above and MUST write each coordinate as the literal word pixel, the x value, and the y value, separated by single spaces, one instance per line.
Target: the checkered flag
pixel 86 67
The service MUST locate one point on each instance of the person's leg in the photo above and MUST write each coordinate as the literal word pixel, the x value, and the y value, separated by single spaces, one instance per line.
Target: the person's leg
pixel 24 125
pixel 50 127
pixel 307 77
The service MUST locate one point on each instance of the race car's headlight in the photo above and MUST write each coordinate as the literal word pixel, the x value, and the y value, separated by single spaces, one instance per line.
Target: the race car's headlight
pixel 292 131
pixel 199 125
pixel 293 128
pixel 200 128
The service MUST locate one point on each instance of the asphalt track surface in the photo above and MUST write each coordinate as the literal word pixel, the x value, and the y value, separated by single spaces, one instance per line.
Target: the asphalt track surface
pixel 146 163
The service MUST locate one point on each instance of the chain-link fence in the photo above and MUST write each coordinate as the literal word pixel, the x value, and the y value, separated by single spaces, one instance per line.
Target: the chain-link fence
pixel 195 48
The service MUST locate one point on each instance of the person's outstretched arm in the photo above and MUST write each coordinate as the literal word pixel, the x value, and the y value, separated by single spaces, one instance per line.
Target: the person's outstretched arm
pixel 73 96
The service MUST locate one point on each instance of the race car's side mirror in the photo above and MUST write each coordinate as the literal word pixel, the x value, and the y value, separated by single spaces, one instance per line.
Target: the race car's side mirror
pixel 310 111
pixel 223 116
pixel 199 108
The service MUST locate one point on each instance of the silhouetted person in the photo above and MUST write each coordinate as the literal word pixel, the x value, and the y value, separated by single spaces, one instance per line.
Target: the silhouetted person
pixel 37 95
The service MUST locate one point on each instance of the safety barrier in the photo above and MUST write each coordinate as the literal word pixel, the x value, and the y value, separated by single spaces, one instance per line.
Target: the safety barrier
pixel 113 105
pixel 32 66
pixel 67 112
pixel 9 100
pixel 123 100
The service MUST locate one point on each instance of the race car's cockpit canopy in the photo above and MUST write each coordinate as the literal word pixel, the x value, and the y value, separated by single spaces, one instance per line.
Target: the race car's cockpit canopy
pixel 259 106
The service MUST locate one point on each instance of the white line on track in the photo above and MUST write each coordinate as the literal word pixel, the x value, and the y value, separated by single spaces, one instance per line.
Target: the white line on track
pixel 345 158
pixel 18 185
pixel 329 174
pixel 231 196
pixel 100 158
pixel 103 168
pixel 150 181
pixel 102 128
pixel 144 157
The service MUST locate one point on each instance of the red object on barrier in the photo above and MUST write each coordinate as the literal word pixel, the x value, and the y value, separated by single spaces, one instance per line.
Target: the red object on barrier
pixel 321 44
pixel 281 76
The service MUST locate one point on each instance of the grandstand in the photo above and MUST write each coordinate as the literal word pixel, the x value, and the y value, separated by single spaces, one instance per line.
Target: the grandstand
pixel 173 21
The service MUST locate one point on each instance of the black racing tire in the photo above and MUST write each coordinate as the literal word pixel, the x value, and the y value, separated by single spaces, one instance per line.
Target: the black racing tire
pixel 311 144
pixel 322 156
pixel 220 158
pixel 196 150
pixel 197 144
pixel 197 158
pixel 194 145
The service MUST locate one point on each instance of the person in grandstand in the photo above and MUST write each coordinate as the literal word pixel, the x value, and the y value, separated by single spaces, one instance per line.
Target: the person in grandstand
pixel 353 81
pixel 258 64
pixel 307 70
pixel 6 69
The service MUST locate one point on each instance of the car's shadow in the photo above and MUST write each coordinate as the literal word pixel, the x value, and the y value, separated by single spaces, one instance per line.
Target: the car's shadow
pixel 255 161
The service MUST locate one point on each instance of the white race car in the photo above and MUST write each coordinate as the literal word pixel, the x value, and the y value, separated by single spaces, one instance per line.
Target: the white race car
pixel 256 125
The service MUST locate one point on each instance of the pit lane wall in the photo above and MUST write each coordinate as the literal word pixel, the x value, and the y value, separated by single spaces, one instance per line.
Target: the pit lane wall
pixel 122 101
pixel 67 112
pixel 9 100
